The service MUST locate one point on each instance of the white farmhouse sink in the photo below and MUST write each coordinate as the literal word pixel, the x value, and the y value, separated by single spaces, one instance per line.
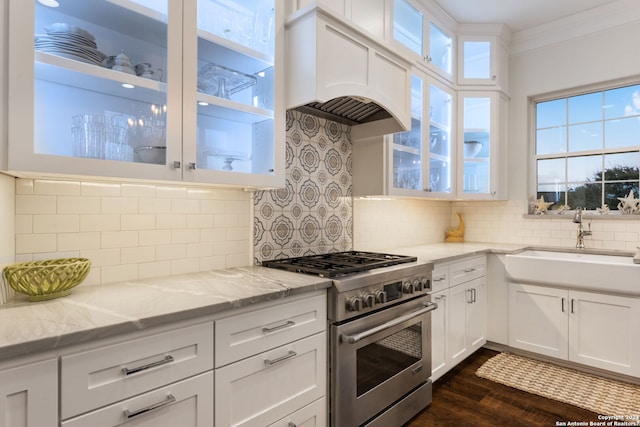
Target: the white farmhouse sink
pixel 577 270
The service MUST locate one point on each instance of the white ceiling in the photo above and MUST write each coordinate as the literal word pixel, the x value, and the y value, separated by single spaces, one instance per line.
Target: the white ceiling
pixel 518 15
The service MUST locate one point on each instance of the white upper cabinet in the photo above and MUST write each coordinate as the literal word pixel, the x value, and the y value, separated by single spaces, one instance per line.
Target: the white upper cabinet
pixel 427 40
pixel 483 59
pixel 415 163
pixel 150 89
pixel 481 148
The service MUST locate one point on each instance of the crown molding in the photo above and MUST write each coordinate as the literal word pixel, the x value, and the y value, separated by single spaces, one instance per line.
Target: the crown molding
pixel 606 17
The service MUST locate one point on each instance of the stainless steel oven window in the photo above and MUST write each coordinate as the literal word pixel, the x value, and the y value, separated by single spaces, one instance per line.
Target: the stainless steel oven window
pixel 383 359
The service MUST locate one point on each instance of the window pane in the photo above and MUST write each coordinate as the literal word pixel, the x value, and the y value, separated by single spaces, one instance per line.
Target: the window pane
pixel 551 171
pixel 622 102
pixel 582 169
pixel 622 166
pixel 588 196
pixel 622 132
pixel 586 136
pixel 552 192
pixel 551 113
pixel 618 189
pixel 551 141
pixel 585 108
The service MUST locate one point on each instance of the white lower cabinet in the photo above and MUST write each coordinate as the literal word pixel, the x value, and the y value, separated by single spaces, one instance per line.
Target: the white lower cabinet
pixel 593 329
pixel 440 363
pixel 314 415
pixel 458 326
pixel 264 388
pixel 29 395
pixel 467 305
pixel 186 403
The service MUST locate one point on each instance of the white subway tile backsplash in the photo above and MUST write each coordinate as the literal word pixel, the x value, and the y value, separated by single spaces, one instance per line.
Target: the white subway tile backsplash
pixel 82 205
pixel 131 230
pixel 100 222
pixel 77 241
pixel 56 224
pixel 118 205
pixel 35 204
pixel 119 239
pixel 66 188
pixel 104 189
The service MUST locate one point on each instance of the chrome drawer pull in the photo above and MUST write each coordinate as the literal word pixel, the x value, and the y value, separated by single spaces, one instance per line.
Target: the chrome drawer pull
pixel 469 270
pixel 168 401
pixel 281 359
pixel 276 328
pixel 440 279
pixel 167 359
pixel 291 424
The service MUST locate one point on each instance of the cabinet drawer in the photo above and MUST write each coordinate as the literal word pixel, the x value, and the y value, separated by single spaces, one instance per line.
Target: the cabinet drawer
pixel 95 378
pixel 440 278
pixel 466 270
pixel 185 403
pixel 314 415
pixel 265 388
pixel 251 333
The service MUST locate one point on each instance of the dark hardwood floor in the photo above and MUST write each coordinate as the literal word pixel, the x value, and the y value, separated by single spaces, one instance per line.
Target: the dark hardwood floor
pixel 462 399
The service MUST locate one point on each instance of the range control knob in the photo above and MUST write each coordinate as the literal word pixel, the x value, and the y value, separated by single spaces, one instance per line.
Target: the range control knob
pixel 417 285
pixel 354 304
pixel 381 296
pixel 426 283
pixel 369 300
pixel 407 287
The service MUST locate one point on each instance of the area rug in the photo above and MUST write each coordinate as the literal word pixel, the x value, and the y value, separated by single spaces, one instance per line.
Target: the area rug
pixel 597 394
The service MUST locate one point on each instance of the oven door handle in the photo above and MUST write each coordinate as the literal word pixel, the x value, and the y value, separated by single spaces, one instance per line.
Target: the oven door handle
pixel 352 339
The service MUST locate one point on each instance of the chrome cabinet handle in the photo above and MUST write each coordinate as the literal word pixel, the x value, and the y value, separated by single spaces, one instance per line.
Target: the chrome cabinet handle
pixel 291 424
pixel 281 358
pixel 572 312
pixel 469 270
pixel 167 359
pixel 352 339
pixel 473 294
pixel 191 166
pixel 168 401
pixel 440 279
pixel 276 328
pixel 562 305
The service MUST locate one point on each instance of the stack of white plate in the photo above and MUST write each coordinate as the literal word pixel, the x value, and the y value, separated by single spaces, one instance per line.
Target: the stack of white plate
pixel 69 41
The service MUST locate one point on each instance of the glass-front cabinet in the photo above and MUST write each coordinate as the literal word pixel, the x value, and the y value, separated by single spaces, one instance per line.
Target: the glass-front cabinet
pixel 421 34
pixel 151 89
pixel 483 60
pixel 482 122
pixel 418 162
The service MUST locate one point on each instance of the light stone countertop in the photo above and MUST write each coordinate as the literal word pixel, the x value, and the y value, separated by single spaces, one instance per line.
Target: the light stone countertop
pixel 101 311
pixel 445 252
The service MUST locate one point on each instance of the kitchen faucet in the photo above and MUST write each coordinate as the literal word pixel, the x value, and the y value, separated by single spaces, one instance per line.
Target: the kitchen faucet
pixel 577 218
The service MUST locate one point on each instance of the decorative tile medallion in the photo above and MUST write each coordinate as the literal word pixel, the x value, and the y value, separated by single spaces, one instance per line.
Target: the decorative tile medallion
pixel 313 214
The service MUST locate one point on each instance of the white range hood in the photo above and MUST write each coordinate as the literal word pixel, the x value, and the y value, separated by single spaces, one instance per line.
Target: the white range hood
pixel 337 72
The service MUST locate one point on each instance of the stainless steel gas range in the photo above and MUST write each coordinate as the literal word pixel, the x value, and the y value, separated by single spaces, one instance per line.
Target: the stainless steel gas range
pixel 380 334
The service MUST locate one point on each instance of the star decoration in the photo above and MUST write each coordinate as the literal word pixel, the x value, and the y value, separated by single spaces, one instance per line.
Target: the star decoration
pixel 629 205
pixel 541 206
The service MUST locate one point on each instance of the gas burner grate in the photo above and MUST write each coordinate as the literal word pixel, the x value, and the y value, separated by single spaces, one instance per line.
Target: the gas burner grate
pixel 338 263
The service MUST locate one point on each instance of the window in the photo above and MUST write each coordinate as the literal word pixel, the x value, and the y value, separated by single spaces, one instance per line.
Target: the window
pixel 587 148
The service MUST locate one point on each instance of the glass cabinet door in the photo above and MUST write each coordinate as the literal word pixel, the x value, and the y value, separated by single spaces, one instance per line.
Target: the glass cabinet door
pixel 477 138
pixel 422 155
pixel 434 45
pixel 440 139
pixel 100 84
pixel 232 88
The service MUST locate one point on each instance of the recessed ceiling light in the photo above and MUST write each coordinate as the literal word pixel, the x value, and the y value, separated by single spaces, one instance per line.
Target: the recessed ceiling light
pixel 128 85
pixel 49 3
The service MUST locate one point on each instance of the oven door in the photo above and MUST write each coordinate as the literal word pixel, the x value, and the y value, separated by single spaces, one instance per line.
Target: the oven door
pixel 379 358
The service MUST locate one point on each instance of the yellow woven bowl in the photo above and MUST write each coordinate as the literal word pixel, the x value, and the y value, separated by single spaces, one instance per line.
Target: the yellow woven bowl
pixel 47 279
